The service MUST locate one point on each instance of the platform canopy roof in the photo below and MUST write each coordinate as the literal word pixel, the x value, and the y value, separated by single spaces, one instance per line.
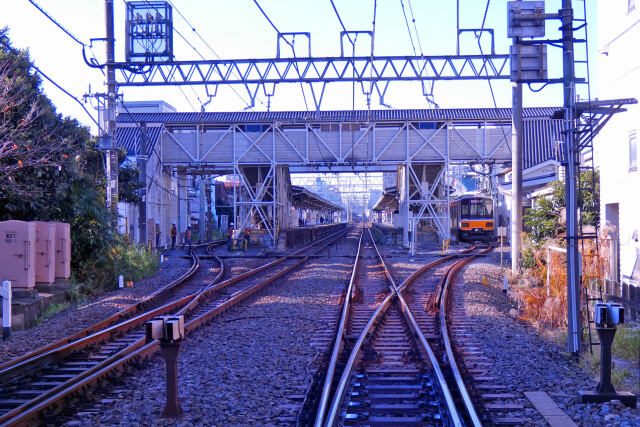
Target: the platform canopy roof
pixel 387 200
pixel 303 198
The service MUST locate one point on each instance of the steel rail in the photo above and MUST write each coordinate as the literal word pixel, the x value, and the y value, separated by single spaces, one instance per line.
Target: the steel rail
pixel 103 329
pixel 356 352
pixel 422 340
pixel 105 334
pixel 114 318
pixel 468 403
pixel 24 413
pixel 354 357
pixel 337 347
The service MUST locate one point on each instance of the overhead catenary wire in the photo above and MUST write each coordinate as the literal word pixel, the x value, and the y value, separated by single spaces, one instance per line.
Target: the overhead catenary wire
pixel 493 97
pixel 295 65
pixel 341 23
pixel 193 28
pixel 429 96
pixel 186 41
pixel 198 53
pixel 430 99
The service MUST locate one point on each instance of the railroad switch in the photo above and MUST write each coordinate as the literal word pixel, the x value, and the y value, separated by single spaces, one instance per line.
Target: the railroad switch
pixel 169 330
pixel 607 317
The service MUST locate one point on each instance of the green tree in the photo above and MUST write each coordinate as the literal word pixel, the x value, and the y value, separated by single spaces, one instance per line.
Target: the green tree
pixel 50 170
pixel 545 220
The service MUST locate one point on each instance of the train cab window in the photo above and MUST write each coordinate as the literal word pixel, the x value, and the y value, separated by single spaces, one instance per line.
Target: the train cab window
pixel 477 208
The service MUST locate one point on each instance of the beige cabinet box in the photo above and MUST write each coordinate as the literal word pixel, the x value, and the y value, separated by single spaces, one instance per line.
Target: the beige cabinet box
pixel 18 253
pixel 45 252
pixel 62 250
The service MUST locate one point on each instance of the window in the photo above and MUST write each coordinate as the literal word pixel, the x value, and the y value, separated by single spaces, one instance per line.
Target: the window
pixel 633 152
pixel 477 208
pixel 631 4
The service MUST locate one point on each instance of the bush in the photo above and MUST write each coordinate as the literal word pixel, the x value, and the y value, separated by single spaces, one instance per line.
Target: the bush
pixel 134 262
pixel 626 344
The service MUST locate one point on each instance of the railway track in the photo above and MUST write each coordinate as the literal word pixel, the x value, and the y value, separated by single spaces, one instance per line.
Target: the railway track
pixel 152 300
pixel 390 369
pixel 79 364
pixel 42 373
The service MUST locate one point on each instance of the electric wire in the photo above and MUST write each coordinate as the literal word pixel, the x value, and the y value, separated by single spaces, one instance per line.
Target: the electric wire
pixel 56 23
pixel 295 64
pixel 185 40
pixel 493 97
pixel 67 32
pixel 406 20
pixel 341 23
pixel 430 98
pixel 150 177
pixel 193 28
pixel 56 84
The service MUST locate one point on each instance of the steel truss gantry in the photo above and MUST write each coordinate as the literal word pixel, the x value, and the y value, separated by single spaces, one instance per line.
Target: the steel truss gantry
pixel 265 73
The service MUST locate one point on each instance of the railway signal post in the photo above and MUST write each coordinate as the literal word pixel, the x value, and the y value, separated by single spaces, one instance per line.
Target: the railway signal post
pixel 170 332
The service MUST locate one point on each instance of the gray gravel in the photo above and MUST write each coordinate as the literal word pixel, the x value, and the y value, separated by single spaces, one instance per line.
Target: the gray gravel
pixel 523 360
pixel 250 366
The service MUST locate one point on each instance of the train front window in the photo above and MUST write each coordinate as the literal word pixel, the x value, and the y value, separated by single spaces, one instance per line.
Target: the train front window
pixel 477 208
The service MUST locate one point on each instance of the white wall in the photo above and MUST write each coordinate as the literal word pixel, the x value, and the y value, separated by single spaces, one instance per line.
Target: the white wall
pixel 619 77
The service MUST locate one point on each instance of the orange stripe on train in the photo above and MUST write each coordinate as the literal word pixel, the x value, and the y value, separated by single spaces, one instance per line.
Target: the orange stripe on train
pixel 469 224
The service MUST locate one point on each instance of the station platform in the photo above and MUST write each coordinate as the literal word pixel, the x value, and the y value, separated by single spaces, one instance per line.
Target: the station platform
pixel 386 234
pixel 299 236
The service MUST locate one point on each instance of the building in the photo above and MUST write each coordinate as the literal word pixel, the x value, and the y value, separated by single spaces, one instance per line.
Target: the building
pixel 616 148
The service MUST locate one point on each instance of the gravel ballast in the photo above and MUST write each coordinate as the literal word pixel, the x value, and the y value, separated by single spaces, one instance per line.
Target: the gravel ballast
pixel 523 360
pixel 243 368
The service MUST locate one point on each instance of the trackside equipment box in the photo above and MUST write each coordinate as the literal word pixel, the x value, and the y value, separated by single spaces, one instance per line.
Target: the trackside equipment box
pixel 62 250
pixel 45 252
pixel 18 253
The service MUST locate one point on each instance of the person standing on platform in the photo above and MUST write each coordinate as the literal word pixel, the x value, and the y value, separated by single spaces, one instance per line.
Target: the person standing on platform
pixel 174 233
pixel 157 235
pixel 187 238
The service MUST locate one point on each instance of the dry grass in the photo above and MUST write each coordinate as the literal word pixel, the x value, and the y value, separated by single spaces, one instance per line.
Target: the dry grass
pixel 544 303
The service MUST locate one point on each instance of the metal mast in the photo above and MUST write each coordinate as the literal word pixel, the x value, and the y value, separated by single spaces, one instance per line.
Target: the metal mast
pixel 571 194
pixel 112 154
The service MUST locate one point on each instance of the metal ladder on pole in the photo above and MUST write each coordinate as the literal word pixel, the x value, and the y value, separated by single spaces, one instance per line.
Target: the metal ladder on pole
pixel 589 213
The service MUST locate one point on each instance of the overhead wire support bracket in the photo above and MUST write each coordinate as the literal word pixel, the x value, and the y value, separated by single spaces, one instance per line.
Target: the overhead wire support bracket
pixel 283 36
pixel 353 42
pixel 477 32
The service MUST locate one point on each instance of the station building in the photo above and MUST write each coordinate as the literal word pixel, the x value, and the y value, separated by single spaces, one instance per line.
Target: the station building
pixel 616 148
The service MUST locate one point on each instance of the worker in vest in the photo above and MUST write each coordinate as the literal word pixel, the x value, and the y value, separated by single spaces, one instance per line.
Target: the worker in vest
pixel 157 235
pixel 174 233
pixel 230 237
pixel 187 237
pixel 247 237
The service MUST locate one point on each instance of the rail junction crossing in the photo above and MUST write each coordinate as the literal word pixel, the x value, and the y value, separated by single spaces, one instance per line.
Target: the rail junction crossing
pixel 420 148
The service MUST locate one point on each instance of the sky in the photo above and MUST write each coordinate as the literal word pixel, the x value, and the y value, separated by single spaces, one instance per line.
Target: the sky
pixel 237 29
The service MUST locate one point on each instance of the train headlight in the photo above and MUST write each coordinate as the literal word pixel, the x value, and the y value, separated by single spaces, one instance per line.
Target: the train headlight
pixel 464 224
pixel 489 225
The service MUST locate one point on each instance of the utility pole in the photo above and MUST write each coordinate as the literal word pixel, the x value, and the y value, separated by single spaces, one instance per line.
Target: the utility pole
pixel 112 153
pixel 516 172
pixel 516 164
pixel 142 179
pixel 571 198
